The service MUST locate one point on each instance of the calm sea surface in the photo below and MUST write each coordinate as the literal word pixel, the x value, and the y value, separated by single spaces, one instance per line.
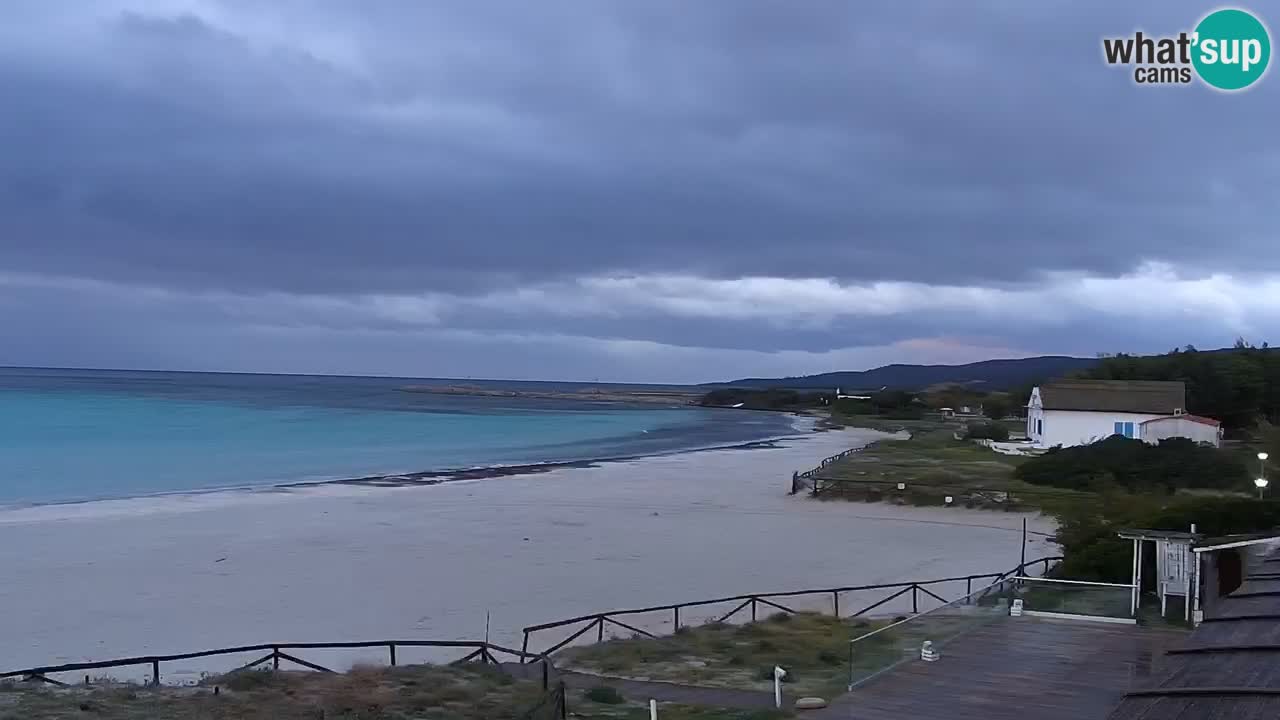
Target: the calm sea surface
pixel 88 434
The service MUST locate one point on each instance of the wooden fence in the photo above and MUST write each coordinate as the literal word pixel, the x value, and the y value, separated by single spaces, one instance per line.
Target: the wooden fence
pixel 480 652
pixel 828 486
pixel 771 601
pixel 808 478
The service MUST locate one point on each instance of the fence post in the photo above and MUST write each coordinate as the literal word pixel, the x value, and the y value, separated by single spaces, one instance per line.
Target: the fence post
pixel 753 609
pixel 155 673
pixel 835 603
pixel 676 622
pixel 392 648
pixel 524 648
pixel 968 590
pixel 275 658
pixel 564 702
pixel 600 629
pixel 546 676
pixel 915 599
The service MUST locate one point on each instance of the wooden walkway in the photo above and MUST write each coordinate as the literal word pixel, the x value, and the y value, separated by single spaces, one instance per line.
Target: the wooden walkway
pixel 1016 669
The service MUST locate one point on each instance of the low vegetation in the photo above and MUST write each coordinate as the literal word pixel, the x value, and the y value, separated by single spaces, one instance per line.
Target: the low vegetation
pixel 813 648
pixel 933 465
pixel 1087 530
pixel 464 692
pixel 1137 466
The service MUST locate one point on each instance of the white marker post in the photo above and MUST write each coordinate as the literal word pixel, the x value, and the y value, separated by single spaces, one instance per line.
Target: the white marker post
pixel 778 674
pixel 653 709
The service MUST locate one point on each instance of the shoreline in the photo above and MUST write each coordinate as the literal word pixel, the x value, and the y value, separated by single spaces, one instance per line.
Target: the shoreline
pixel 350 564
pixel 423 478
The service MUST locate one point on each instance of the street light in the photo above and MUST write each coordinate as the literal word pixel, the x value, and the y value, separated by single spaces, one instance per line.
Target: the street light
pixel 1261 482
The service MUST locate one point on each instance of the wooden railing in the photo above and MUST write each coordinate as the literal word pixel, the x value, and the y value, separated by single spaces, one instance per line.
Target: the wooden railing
pixel 801 480
pixel 835 486
pixel 480 652
pixel 752 603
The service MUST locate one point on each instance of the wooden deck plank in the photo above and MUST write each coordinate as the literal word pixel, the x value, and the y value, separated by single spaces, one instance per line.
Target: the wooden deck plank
pixel 1017 668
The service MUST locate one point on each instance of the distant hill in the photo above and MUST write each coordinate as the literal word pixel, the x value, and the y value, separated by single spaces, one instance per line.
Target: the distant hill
pixel 985 375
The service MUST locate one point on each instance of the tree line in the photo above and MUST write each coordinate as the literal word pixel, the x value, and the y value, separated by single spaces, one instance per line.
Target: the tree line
pixel 1239 385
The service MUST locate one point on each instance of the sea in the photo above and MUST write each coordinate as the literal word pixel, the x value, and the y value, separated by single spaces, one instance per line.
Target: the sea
pixel 81 435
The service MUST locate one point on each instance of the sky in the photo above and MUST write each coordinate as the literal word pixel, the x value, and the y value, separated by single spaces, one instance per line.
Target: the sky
pixel 648 191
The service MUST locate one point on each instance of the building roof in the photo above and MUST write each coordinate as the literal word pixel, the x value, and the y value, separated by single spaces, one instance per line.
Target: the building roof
pixel 1133 396
pixel 1191 418
pixel 1227 668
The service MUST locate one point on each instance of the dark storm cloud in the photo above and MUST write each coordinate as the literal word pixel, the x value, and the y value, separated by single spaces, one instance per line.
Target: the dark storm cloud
pixel 446 146
pixel 276 169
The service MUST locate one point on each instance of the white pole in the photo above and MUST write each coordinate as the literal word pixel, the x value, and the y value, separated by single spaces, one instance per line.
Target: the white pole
pixel 653 709
pixel 1133 595
pixel 1196 612
pixel 1137 585
pixel 1192 578
pixel 778 674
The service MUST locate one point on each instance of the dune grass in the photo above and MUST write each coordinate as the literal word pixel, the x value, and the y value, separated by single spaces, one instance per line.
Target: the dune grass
pixel 813 648
pixel 933 464
pixel 420 692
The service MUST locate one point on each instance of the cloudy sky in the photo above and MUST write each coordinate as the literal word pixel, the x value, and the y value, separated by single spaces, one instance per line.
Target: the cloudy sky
pixel 647 190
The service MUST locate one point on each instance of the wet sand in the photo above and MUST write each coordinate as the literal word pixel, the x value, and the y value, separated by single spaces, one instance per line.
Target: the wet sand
pixel 342 562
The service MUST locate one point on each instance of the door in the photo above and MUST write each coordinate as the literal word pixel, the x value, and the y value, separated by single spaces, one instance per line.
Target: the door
pixel 1230 571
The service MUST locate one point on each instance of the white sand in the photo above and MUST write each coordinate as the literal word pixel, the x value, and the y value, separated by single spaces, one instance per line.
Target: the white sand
pixel 109 579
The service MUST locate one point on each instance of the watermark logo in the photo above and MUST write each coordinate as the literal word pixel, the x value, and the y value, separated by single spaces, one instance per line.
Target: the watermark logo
pixel 1228 50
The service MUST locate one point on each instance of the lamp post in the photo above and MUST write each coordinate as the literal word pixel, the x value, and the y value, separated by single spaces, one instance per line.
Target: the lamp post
pixel 1261 481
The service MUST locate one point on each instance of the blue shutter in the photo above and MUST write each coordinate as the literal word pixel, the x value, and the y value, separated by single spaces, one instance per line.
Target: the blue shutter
pixel 1128 429
pixel 1118 429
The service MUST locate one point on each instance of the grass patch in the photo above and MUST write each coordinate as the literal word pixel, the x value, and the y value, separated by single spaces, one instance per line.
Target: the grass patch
pixel 676 711
pixel 933 464
pixel 811 647
pixel 604 695
pixel 465 692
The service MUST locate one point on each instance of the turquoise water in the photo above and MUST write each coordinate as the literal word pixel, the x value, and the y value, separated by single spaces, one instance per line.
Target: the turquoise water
pixel 77 435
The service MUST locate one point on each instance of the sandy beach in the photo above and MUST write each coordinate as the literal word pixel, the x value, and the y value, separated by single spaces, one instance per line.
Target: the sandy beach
pixel 177 573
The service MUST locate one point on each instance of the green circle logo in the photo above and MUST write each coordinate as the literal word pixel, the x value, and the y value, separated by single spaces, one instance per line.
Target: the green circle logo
pixel 1232 49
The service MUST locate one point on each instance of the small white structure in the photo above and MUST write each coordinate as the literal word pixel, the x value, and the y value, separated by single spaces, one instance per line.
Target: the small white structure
pixel 1078 412
pixel 1173 565
pixel 927 653
pixel 1194 427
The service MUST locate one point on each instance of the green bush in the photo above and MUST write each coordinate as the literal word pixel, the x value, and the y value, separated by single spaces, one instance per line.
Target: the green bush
pixel 828 657
pixel 1087 530
pixel 1136 466
pixel 987 431
pixel 604 695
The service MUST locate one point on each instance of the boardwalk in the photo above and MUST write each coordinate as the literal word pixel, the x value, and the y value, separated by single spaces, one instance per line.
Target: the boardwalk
pixel 1016 668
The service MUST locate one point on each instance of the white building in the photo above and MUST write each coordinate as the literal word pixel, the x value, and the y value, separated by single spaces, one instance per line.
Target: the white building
pixel 1078 412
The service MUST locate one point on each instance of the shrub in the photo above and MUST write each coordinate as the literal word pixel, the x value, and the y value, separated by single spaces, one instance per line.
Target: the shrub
pixel 780 617
pixel 604 695
pixel 244 680
pixel 1136 466
pixel 987 431
pixel 828 657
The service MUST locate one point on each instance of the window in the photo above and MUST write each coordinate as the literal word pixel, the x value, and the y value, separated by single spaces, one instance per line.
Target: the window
pixel 1124 428
pixel 1039 427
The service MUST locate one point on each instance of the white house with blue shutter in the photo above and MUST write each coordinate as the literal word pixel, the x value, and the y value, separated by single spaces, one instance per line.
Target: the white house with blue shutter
pixel 1078 412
